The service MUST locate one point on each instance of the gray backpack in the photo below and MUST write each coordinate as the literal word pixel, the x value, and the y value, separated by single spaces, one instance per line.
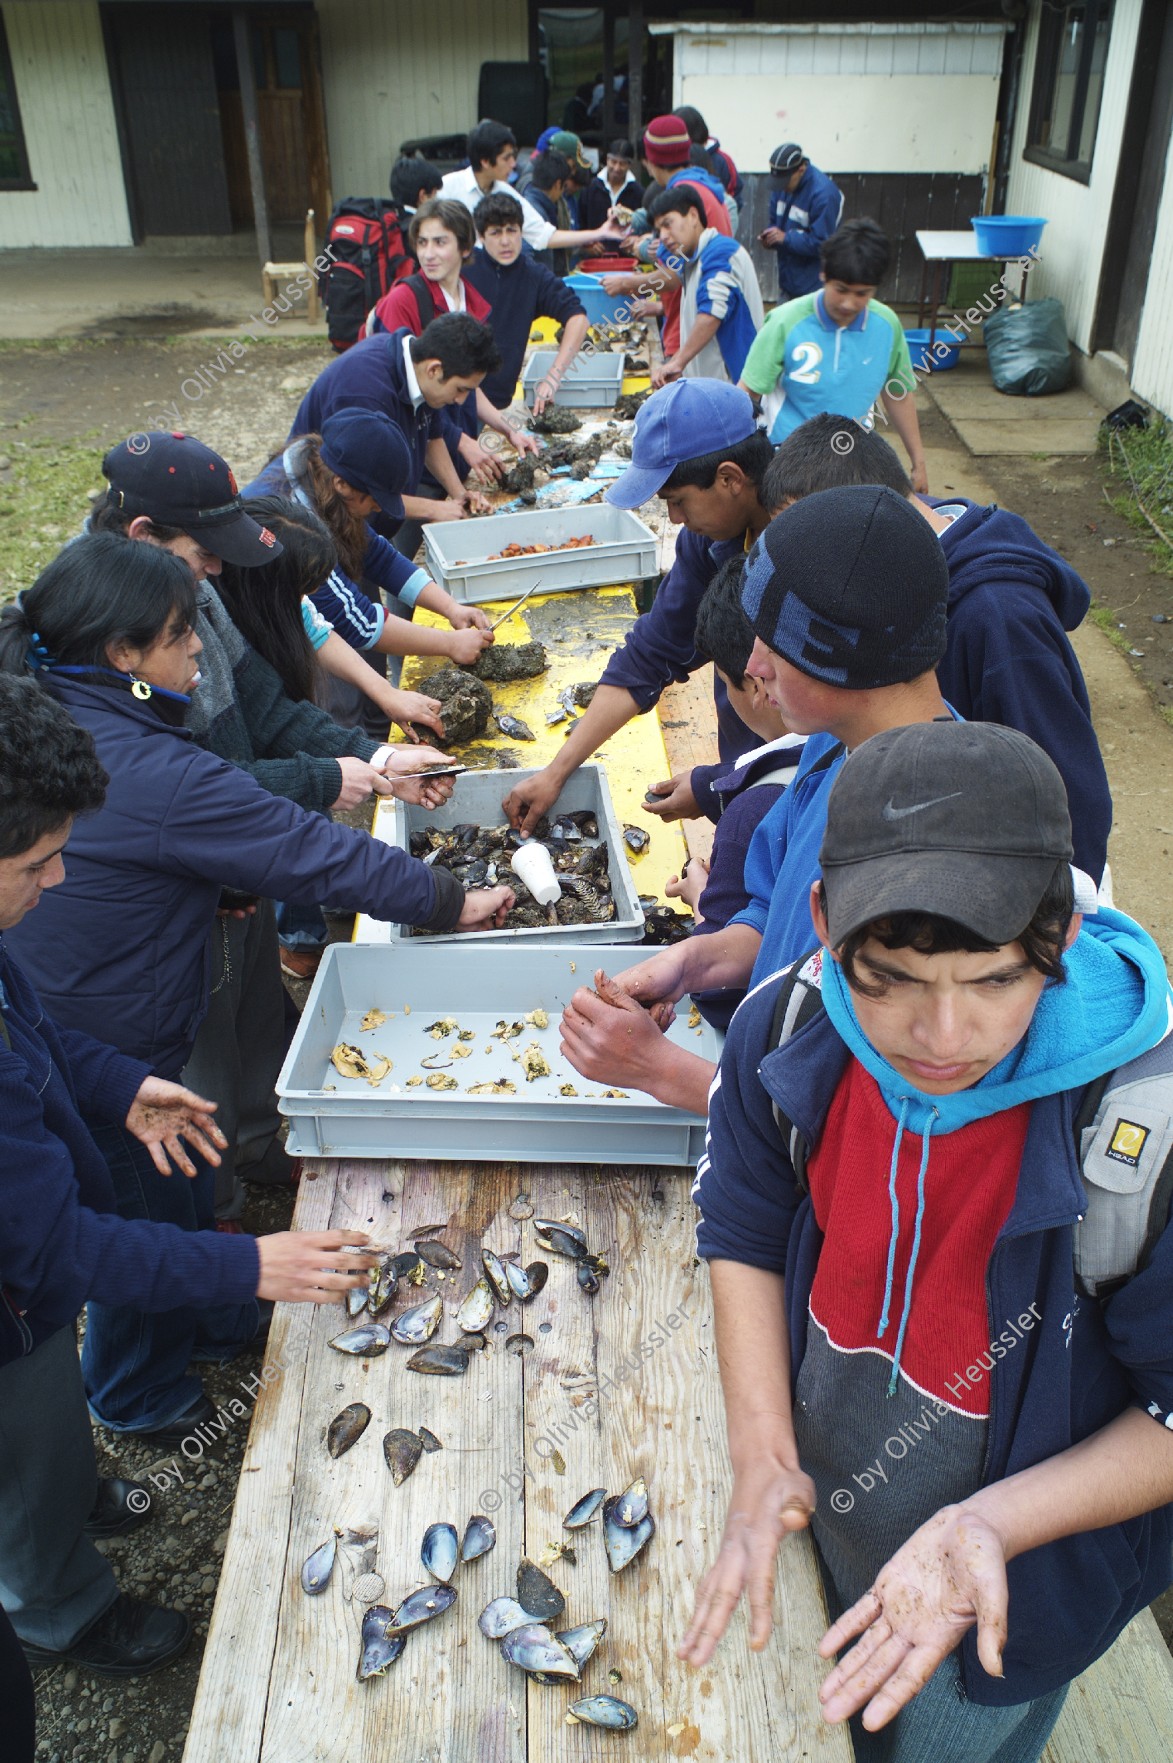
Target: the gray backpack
pixel 1123 1131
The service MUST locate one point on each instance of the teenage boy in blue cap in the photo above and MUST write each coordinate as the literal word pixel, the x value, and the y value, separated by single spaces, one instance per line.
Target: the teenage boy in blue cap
pixel 715 496
pixel 945 1329
pixel 806 207
pixel 846 594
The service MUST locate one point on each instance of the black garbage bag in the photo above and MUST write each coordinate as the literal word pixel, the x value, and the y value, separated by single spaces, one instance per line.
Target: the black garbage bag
pixel 1027 349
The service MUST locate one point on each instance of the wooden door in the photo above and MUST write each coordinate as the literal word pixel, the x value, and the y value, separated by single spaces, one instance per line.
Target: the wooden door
pixel 291 114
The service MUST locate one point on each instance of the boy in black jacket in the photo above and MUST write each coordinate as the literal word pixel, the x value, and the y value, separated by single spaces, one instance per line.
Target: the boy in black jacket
pixel 520 289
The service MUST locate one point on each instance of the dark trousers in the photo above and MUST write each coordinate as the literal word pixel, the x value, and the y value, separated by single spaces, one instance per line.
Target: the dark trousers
pixel 135 1363
pixel 16 1697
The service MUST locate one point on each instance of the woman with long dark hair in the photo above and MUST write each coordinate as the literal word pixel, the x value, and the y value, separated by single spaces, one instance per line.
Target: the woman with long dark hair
pixel 120 948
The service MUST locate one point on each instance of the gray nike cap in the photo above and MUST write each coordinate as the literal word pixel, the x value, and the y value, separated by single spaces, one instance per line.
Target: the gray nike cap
pixel 963 820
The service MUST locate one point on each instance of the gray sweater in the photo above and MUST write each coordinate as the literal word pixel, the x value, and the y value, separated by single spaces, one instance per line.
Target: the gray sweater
pixel 241 711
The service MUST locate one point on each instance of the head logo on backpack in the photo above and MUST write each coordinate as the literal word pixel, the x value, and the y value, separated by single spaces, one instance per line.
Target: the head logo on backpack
pixel 367 252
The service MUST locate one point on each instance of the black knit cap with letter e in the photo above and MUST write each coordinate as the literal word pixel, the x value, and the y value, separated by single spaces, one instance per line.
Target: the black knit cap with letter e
pixel 850 586
pixel 963 820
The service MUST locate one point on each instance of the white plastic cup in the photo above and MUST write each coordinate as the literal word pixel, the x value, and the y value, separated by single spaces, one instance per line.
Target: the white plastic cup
pixel 533 864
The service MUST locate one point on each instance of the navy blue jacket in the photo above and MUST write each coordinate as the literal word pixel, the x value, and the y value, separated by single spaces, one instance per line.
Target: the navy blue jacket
pixel 1086 1362
pixel 661 644
pixel 1008 660
pixel 808 217
pixel 518 293
pixel 372 376
pixel 61 1239
pixel 120 948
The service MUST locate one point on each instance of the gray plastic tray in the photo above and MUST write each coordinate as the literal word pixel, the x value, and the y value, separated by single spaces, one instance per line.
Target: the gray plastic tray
pixel 458 552
pixel 592 382
pixel 477 796
pixel 478 984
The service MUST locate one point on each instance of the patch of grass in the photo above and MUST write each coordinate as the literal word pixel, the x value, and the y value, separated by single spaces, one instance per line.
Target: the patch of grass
pixel 1105 620
pixel 44 498
pixel 1140 470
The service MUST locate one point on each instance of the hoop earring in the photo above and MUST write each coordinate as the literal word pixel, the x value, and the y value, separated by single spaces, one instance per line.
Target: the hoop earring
pixel 139 688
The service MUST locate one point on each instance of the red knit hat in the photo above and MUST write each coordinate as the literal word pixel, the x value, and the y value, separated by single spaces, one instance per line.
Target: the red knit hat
pixel 666 141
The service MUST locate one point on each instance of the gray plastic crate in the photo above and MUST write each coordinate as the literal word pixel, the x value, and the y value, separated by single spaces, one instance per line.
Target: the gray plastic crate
pixel 459 552
pixel 592 382
pixel 477 796
pixel 479 985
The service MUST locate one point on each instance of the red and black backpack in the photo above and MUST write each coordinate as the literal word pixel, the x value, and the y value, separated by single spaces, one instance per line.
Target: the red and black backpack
pixel 368 253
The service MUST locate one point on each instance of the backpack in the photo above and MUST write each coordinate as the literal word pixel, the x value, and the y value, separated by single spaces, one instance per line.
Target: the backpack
pixel 367 252
pixel 423 299
pixel 1123 1130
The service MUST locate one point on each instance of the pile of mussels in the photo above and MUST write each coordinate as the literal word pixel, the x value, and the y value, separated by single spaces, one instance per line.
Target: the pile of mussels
pixel 479 858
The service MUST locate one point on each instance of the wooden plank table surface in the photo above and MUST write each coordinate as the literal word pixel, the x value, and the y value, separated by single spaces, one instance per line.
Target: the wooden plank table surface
pixel 622 1385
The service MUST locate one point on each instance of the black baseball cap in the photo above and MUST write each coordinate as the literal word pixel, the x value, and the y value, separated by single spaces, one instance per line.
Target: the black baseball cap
pixel 850 586
pixel 963 820
pixel 176 481
pixel 786 158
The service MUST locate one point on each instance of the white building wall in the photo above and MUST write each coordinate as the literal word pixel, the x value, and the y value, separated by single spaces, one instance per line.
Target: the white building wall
pixel 900 98
pixel 66 107
pixel 1077 214
pixel 385 83
pixel 1152 369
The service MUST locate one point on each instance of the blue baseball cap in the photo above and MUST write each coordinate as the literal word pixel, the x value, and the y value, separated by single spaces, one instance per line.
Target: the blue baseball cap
pixel 370 453
pixel 682 421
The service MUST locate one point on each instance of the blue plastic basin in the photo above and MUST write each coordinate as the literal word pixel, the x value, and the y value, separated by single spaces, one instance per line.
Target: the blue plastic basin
pixel 1007 235
pixel 599 306
pixel 944 354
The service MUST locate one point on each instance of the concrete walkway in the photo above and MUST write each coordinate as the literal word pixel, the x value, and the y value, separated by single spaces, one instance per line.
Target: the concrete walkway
pixel 992 424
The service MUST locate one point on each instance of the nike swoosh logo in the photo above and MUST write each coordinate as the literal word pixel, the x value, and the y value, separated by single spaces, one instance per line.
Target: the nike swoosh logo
pixel 891 812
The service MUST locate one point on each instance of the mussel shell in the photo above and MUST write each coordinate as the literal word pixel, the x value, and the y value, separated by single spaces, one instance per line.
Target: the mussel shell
pixel 356 1300
pixel 422 1606
pixel 315 1575
pixel 428 1440
pixel 439 1361
pixel 583 1640
pixel 587 1278
pixel 384 1282
pixel 402 1451
pixel 584 1510
pixel 636 839
pixel 436 1253
pixel 379 1648
pixel 502 1616
pixel 440 1551
pixel 408 1266
pixel 347 1428
pixel 537 1593
pixel 631 1505
pixel 537 1273
pixel 561 1239
pixel 476 1312
pixel 605 1711
pixel 480 1535
pixel 526 1282
pixel 413 1327
pixel 534 1649
pixel 366 1341
pixel 498 1278
pixel 623 1542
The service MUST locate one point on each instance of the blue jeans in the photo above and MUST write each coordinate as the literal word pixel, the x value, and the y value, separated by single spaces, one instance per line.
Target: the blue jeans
pixel 300 927
pixel 942 1725
pixel 135 1362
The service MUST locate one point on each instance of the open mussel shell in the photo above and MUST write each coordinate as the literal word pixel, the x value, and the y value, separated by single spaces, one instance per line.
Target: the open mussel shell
pixel 429 1441
pixel 422 1606
pixel 561 1239
pixel 408 1267
pixel 476 1311
pixel 502 1616
pixel 384 1282
pixel 584 1510
pixel 587 1276
pixel 413 1327
pixel 436 1253
pixel 380 1648
pixel 347 1428
pixel 480 1536
pixel 526 1282
pixel 631 1506
pixel 356 1300
pixel 605 1711
pixel 366 1341
pixel 623 1542
pixel 498 1278
pixel 534 1649
pixel 402 1450
pixel 439 1361
pixel 315 1575
pixel 583 1640
pixel 537 1593
pixel 440 1551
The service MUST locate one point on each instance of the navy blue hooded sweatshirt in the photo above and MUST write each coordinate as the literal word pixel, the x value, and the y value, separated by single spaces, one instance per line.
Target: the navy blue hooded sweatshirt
pixel 61 1239
pixel 120 948
pixel 1012 599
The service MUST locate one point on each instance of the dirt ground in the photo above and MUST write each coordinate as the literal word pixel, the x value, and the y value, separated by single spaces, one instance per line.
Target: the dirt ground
pixel 62 404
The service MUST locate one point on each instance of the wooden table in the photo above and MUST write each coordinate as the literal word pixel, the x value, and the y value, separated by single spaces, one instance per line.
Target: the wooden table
pixel 622 1385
